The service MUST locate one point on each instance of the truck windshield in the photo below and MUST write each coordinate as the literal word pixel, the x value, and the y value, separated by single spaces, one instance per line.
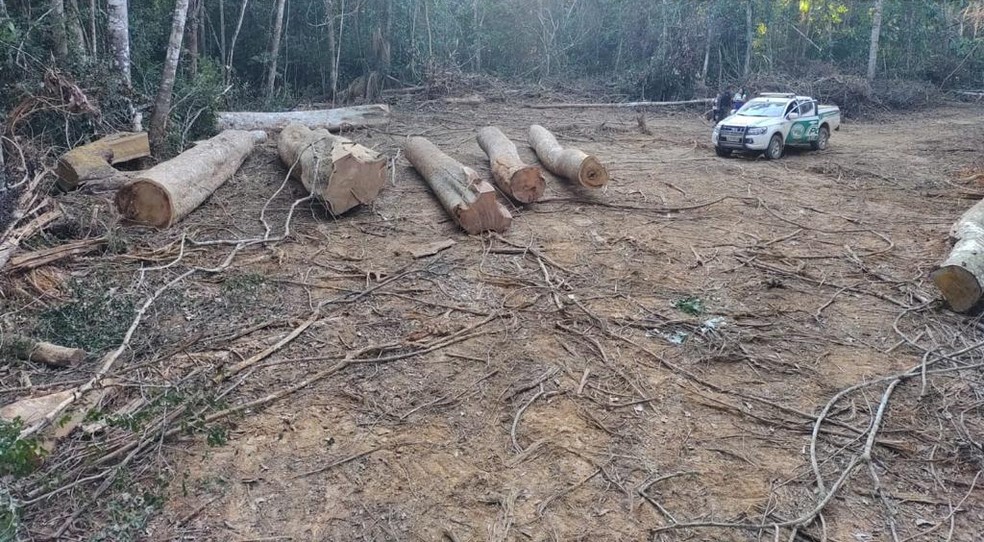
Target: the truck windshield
pixel 763 108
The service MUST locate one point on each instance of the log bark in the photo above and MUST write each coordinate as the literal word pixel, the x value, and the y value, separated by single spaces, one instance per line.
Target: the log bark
pixel 627 105
pixel 94 162
pixel 571 164
pixel 329 119
pixel 469 200
pixel 961 276
pixel 167 192
pixel 340 172
pixel 522 182
pixel 29 349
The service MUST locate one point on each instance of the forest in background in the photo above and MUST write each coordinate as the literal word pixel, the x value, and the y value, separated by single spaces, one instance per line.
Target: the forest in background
pixel 62 82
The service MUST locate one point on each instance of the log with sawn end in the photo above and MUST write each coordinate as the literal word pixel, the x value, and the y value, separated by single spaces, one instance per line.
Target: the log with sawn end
pixel 522 182
pixel 167 192
pixel 469 200
pixel 330 119
pixel 29 349
pixel 571 164
pixel 335 169
pixel 94 162
pixel 961 277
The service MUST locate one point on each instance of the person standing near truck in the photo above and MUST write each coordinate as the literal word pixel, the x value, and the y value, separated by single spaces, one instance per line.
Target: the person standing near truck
pixel 739 99
pixel 722 106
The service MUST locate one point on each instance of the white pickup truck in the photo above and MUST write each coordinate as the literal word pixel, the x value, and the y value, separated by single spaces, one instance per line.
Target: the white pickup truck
pixel 771 121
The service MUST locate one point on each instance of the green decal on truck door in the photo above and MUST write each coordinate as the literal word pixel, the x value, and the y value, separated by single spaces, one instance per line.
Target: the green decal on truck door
pixel 803 131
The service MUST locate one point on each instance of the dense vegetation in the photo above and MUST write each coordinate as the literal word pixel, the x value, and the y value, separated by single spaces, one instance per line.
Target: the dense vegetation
pixel 270 53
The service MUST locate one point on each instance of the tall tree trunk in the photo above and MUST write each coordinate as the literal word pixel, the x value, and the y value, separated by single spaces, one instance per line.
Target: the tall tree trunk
pixel 278 28
pixel 3 9
pixel 477 35
pixel 59 37
pixel 749 35
pixel 162 104
pixel 93 35
pixel 73 25
pixel 232 45
pixel 707 44
pixel 119 38
pixel 226 65
pixel 330 24
pixel 191 35
pixel 875 34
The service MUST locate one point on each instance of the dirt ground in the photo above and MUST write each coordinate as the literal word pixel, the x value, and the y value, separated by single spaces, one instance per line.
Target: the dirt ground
pixel 621 363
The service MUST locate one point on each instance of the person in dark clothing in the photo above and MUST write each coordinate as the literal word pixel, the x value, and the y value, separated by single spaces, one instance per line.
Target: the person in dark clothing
pixel 722 107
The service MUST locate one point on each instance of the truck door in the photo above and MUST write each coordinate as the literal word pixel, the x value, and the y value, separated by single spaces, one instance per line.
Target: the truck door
pixel 807 127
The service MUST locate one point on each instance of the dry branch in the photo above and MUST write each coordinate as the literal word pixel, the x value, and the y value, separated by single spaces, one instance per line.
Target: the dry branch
pixel 623 105
pixel 469 200
pixel 94 162
pixel 961 277
pixel 29 349
pixel 170 190
pixel 571 164
pixel 522 182
pixel 40 258
pixel 335 169
pixel 12 241
pixel 329 119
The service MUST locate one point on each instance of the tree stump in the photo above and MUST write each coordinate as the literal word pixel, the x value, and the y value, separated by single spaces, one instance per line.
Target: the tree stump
pixel 167 192
pixel 335 169
pixel 522 182
pixel 572 164
pixel 469 200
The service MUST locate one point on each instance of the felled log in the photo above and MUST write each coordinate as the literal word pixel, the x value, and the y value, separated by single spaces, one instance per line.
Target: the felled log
pixel 620 105
pixel 329 119
pixel 522 182
pixel 471 99
pixel 961 277
pixel 167 192
pixel 94 162
pixel 469 200
pixel 335 169
pixel 571 164
pixel 29 349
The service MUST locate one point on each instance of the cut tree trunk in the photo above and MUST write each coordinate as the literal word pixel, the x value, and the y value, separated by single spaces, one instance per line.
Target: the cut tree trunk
pixel 329 119
pixel 167 192
pixel 469 200
pixel 961 277
pixel 29 349
pixel 93 162
pixel 336 169
pixel 571 164
pixel 522 182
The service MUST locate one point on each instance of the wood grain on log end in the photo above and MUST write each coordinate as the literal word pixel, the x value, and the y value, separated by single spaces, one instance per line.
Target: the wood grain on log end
pixel 145 202
pixel 593 174
pixel 959 286
pixel 486 213
pixel 528 184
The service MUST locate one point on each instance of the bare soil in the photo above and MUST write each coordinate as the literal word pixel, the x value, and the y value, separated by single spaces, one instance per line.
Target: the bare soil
pixel 620 361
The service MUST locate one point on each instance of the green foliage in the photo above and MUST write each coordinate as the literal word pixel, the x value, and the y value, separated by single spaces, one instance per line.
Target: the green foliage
pixel 96 318
pixel 128 516
pixel 9 516
pixel 18 457
pixel 691 305
pixel 242 288
pixel 217 436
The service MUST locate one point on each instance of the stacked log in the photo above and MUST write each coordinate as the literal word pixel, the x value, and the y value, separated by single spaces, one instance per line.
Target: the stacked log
pixel 572 164
pixel 522 182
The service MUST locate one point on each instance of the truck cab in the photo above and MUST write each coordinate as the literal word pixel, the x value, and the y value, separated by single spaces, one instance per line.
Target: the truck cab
pixel 771 121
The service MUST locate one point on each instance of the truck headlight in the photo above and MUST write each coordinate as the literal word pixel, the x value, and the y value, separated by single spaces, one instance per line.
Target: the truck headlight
pixel 755 131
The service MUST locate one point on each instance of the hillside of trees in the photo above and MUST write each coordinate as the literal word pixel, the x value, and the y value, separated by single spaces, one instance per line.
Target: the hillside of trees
pixel 62 72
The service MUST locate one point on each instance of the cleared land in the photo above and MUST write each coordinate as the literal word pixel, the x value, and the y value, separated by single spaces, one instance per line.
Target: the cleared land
pixel 653 352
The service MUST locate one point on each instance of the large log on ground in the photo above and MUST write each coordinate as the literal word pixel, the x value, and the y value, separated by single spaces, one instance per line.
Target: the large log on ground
pixel 167 192
pixel 469 200
pixel 336 169
pixel 571 164
pixel 961 277
pixel 522 182
pixel 329 119
pixel 29 349
pixel 619 105
pixel 94 162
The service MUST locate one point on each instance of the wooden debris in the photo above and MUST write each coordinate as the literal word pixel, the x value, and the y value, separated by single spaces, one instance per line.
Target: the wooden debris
pixel 522 182
pixel 34 409
pixel 472 99
pixel 337 170
pixel 40 258
pixel 469 200
pixel 167 192
pixel 12 240
pixel 431 249
pixel 329 119
pixel 961 277
pixel 29 349
pixel 571 164
pixel 94 162
pixel 622 105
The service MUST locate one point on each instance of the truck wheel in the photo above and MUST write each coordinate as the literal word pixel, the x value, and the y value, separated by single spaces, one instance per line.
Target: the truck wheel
pixel 774 150
pixel 822 139
pixel 723 153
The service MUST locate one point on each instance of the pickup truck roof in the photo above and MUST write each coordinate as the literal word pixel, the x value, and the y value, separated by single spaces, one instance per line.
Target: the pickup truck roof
pixel 783 95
